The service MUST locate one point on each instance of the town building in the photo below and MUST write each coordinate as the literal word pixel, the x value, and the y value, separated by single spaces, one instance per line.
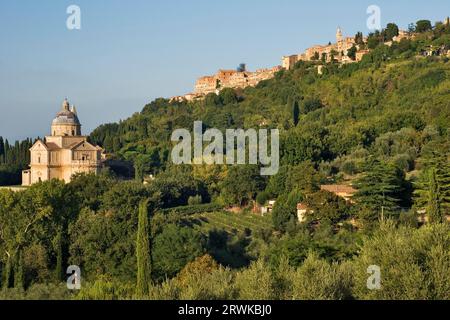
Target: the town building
pixel 341 190
pixel 337 51
pixel 236 79
pixel 232 79
pixel 302 211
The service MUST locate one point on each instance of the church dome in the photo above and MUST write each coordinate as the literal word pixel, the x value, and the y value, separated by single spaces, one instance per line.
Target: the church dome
pixel 66 116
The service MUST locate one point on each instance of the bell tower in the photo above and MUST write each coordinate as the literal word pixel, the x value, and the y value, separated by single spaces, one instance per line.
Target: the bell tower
pixel 339 35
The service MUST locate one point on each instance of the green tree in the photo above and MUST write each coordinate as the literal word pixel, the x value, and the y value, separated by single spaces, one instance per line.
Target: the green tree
pixel 33 215
pixel 2 150
pixel 373 40
pixel 59 257
pixel 104 241
pixel 380 188
pixel 241 184
pixel 19 271
pixel 423 26
pixel 333 55
pixel 256 282
pixel 434 211
pixel 262 197
pixel 173 248
pixel 143 281
pixel 326 205
pixel 316 279
pixel 295 113
pixel 228 96
pixel 142 166
pixel 352 53
pixel 435 170
pixel 391 31
pixel 284 213
pixel 359 38
pixel 414 263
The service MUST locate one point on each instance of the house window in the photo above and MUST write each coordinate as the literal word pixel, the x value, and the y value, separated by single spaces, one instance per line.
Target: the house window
pixel 73 132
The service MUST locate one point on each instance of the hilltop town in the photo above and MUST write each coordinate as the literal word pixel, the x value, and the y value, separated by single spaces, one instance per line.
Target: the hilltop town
pixel 345 50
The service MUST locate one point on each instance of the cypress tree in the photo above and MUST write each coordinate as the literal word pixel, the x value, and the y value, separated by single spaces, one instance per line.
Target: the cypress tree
pixel 59 258
pixel 143 253
pixel 295 113
pixel 7 147
pixel 18 272
pixel 2 150
pixel 8 273
pixel 434 160
pixel 434 202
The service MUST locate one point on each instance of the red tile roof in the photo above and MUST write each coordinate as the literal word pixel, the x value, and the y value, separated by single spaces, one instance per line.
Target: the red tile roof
pixel 301 206
pixel 338 188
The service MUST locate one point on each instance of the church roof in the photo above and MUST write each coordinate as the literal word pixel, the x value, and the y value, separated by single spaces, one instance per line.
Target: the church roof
pixel 52 146
pixel 66 116
pixel 84 143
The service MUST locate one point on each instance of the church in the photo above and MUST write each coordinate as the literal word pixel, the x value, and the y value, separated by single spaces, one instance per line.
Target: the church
pixel 64 153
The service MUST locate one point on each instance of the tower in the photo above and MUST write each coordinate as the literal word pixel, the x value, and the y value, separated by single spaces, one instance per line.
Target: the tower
pixel 339 35
pixel 66 122
pixel 339 40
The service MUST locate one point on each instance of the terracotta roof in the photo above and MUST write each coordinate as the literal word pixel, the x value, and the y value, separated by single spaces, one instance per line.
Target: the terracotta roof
pixel 301 206
pixel 338 188
pixel 52 146
pixel 41 142
pixel 76 144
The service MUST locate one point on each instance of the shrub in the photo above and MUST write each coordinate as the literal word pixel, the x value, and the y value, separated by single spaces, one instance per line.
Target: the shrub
pixel 316 279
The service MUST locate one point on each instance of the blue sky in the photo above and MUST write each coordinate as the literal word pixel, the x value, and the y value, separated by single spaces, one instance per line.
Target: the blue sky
pixel 129 52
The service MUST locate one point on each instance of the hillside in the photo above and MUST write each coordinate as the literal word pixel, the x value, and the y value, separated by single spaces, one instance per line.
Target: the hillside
pixel 345 114
pixel 378 128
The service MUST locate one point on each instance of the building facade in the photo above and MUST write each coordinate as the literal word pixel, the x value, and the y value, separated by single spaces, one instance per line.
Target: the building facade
pixel 227 79
pixel 64 153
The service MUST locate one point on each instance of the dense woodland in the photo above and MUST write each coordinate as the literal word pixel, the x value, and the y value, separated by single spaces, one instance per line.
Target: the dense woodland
pixel 13 159
pixel 381 125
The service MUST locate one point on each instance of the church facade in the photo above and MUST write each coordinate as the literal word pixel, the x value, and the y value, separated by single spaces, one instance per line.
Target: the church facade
pixel 64 153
